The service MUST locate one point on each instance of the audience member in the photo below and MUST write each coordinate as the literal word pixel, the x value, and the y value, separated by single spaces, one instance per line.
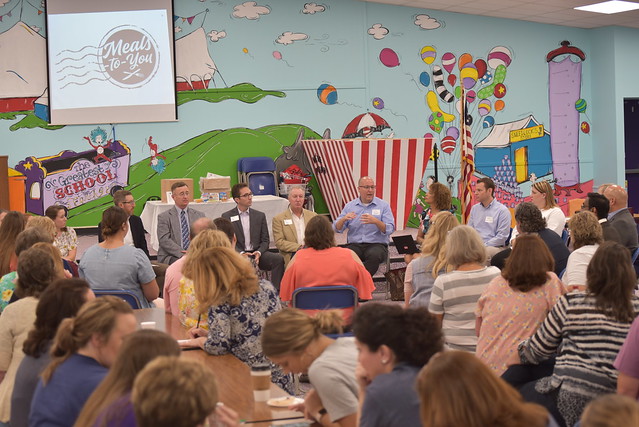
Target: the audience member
pixel 136 236
pixel 43 223
pixel 515 303
pixel 24 241
pixel 611 410
pixel 83 349
pixel 189 311
pixel 542 196
pixel 389 362
pixel 586 330
pixel 600 206
pixel 620 217
pixel 251 231
pixel 35 272
pixel 322 264
pixel 602 188
pixel 115 265
pixel 174 225
pixel 110 404
pixel 225 226
pixel 174 271
pixel 226 287
pixel 295 341
pixel 530 221
pixel 11 226
pixel 289 226
pixel 3 213
pixel 457 389
pixel 178 392
pixel 421 272
pixel 586 236
pixel 455 294
pixel 60 300
pixel 627 363
pixel 490 218
pixel 439 199
pixel 370 222
pixel 66 239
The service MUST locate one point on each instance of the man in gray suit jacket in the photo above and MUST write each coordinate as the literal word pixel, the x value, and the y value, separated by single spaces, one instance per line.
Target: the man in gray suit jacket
pixel 620 217
pixel 174 225
pixel 251 231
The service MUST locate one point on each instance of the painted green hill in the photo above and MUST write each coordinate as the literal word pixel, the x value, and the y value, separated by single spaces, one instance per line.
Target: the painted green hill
pixel 215 151
pixel 245 92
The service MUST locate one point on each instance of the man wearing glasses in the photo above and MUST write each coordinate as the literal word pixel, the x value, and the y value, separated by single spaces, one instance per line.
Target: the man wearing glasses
pixel 251 231
pixel 369 221
pixel 174 225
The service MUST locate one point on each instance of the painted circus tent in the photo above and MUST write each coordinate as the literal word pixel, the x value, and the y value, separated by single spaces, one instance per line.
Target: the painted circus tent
pixel 257 78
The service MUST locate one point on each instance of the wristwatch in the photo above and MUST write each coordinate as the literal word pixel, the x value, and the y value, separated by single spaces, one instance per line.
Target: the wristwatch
pixel 321 412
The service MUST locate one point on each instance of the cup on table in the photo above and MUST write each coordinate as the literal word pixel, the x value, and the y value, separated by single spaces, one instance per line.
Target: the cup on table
pixel 147 325
pixel 261 378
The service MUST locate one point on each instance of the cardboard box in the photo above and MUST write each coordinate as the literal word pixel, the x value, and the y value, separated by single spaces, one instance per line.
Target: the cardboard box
pixel 215 185
pixel 165 186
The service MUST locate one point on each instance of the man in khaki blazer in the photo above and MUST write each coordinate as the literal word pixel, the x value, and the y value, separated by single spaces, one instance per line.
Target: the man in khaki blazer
pixel 289 226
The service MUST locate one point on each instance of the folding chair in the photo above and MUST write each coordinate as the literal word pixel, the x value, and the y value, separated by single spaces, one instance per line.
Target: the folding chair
pixel 259 173
pixel 325 297
pixel 127 296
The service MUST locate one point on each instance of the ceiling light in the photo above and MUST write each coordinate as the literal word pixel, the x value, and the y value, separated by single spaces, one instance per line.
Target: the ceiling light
pixel 609 7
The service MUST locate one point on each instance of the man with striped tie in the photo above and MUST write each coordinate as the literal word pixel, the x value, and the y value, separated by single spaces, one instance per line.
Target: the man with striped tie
pixel 174 225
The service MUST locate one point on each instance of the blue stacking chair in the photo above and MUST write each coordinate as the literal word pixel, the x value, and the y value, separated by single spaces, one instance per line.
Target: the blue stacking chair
pixel 565 236
pixel 259 173
pixel 127 296
pixel 325 297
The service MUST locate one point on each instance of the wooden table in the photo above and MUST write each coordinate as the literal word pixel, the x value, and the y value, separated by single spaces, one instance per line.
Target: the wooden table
pixel 233 376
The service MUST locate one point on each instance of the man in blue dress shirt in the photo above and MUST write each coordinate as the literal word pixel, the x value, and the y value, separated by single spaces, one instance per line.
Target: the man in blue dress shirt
pixel 369 221
pixel 490 218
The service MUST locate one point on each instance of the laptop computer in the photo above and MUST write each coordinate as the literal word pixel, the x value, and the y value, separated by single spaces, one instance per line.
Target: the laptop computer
pixel 405 244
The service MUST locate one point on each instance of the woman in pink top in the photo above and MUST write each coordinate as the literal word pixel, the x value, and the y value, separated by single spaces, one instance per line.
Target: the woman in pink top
pixel 515 303
pixel 321 263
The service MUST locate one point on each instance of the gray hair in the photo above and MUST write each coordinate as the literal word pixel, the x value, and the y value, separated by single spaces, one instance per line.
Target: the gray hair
pixel 529 219
pixel 464 245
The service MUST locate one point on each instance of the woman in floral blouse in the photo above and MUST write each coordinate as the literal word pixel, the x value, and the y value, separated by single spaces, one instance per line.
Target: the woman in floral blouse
pixel 66 240
pixel 227 287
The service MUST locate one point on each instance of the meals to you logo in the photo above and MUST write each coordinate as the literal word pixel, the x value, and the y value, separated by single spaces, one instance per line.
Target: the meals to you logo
pixel 128 56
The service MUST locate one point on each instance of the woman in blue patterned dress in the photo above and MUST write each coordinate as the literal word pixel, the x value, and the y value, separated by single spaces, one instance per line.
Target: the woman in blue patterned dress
pixel 227 287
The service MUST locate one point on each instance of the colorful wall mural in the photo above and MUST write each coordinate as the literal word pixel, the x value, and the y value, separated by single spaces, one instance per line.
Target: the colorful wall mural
pixel 254 78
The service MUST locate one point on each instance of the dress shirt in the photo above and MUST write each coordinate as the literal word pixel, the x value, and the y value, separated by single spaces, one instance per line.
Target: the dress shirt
pixel 128 239
pixel 246 227
pixel 492 222
pixel 300 226
pixel 611 214
pixel 359 232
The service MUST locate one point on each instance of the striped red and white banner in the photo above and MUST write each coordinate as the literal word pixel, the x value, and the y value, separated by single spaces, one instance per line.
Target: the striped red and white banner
pixel 396 165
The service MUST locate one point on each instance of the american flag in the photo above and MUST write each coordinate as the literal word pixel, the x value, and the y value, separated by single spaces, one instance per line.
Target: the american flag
pixel 467 162
pixel 396 165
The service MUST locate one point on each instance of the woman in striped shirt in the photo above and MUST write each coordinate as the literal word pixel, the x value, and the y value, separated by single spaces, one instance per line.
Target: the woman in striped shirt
pixel 585 330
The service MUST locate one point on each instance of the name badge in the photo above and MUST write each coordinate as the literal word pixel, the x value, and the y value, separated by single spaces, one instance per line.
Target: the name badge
pixel 288 222
pixel 376 212
pixel 489 219
pixel 235 218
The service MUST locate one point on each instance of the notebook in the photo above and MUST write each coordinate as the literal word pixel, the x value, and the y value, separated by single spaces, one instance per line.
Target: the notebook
pixel 405 244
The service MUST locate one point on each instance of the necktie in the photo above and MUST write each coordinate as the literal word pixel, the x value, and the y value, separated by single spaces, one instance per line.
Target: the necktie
pixel 185 231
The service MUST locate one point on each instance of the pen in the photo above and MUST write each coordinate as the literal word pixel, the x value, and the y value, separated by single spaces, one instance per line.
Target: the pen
pixel 199 316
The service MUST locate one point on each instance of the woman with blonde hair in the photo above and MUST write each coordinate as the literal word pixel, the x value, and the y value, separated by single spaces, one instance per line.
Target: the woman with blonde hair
pixel 110 403
pixel 542 196
pixel 35 272
pixel 457 389
pixel 44 223
pixel 422 271
pixel 83 349
pixel 236 306
pixel 527 288
pixel 611 410
pixel 295 341
pixel 586 236
pixel 455 294
pixel 188 309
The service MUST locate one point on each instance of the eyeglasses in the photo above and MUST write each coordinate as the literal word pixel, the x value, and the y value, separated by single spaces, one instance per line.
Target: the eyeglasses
pixel 367 187
pixel 131 201
pixel 247 195
pixel 182 194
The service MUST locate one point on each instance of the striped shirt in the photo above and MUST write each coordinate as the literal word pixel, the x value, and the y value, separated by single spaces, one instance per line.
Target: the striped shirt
pixel 455 296
pixel 589 343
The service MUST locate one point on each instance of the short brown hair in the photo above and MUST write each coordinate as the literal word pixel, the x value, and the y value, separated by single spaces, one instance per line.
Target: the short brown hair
pixel 235 190
pixel 174 392
pixel 611 410
pixel 31 236
pixel 488 184
pixel 225 226
pixel 442 198
pixel 120 196
pixel 528 264
pixel 178 184
pixel 319 233
pixel 112 220
pixel 36 269
pixel 585 229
